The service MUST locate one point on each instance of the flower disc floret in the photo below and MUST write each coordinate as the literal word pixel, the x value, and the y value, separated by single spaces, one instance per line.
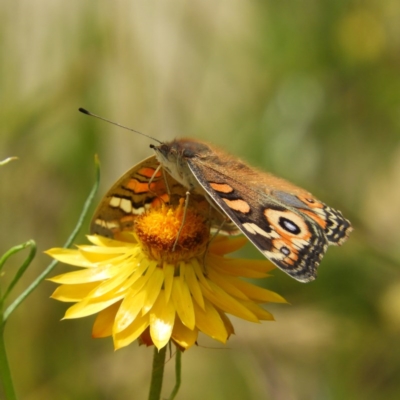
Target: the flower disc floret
pixel 172 234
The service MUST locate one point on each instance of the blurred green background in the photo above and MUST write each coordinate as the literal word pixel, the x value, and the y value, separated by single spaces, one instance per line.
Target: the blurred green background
pixel 309 90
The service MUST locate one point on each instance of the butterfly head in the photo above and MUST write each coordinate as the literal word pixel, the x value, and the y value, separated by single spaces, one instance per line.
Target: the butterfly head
pixel 174 156
pixel 180 149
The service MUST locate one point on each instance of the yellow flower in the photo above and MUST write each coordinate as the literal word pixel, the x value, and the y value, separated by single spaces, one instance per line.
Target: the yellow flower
pixel 145 286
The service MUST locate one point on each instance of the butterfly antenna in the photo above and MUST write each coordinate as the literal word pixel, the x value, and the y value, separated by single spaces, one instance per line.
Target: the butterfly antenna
pixel 83 111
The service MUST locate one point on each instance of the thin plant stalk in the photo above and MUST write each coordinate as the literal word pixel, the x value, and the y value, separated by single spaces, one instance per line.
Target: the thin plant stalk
pixel 5 372
pixel 178 372
pixel 157 373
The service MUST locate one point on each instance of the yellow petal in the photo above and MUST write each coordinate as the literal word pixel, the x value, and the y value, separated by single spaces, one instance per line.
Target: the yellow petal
pixel 194 286
pixel 129 309
pixel 169 271
pixel 162 317
pixel 126 237
pixel 71 257
pixel 104 321
pixel 108 285
pixel 209 322
pixel 183 336
pixel 182 269
pixel 259 311
pixel 240 267
pixel 107 242
pixel 87 275
pixel 228 324
pixel 227 283
pixel 227 303
pixel 90 249
pixel 183 303
pixel 89 307
pixel 153 288
pixel 73 293
pixel 222 245
pixel 259 294
pixel 138 280
pixel 199 272
pixel 132 332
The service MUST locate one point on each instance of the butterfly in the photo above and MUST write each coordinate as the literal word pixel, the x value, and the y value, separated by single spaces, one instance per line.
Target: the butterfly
pixel 287 224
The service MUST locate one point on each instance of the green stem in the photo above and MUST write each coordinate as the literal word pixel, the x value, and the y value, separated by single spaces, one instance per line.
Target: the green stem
pixel 178 371
pixel 13 251
pixel 157 373
pixel 23 267
pixel 5 372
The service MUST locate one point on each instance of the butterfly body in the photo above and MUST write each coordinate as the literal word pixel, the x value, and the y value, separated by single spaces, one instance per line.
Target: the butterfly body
pixel 286 223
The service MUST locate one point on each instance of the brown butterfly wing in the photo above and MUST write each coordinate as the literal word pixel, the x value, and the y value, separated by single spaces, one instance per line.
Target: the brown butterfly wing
pixel 293 233
pixel 141 188
pixel 128 197
pixel 336 228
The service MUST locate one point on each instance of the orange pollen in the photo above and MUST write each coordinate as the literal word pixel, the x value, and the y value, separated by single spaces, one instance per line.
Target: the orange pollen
pixel 158 230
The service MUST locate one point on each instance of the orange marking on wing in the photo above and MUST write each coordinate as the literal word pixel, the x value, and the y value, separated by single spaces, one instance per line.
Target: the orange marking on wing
pixel 140 187
pixel 149 172
pixel 313 204
pixel 158 201
pixel 294 254
pixel 222 187
pixel 289 261
pixel 238 205
pixel 286 237
pixel 127 219
pixel 321 222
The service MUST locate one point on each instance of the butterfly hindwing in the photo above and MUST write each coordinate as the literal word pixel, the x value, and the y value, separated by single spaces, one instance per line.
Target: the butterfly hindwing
pixel 284 234
pixel 336 228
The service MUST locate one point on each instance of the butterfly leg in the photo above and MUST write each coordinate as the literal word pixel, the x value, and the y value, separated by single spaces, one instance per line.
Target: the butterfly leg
pixel 183 220
pixel 165 181
pixel 214 235
pixel 152 179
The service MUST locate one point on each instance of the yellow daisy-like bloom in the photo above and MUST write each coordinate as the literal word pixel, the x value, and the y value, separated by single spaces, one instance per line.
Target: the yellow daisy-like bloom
pixel 143 289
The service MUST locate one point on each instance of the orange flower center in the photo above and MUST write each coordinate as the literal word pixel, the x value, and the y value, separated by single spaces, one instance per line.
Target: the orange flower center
pixel 166 234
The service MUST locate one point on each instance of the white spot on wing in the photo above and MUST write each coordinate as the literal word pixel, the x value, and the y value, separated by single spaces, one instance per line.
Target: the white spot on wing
pixel 115 202
pixel 100 222
pixel 138 211
pixel 274 255
pixel 110 225
pixel 255 229
pixel 300 243
pixel 126 206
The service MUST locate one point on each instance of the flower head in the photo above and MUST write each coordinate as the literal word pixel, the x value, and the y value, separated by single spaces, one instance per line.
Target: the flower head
pixel 151 286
